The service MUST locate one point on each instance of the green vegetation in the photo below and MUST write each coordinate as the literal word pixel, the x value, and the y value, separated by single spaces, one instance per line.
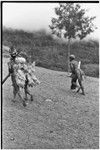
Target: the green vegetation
pixel 52 53
pixel 71 22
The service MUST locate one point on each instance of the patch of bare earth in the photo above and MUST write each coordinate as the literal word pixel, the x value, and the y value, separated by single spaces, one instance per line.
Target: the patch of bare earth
pixel 68 121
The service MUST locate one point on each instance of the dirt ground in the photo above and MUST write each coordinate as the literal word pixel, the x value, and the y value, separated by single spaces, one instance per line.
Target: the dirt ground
pixel 68 121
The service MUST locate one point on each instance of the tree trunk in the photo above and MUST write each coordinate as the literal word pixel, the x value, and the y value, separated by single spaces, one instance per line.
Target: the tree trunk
pixel 68 55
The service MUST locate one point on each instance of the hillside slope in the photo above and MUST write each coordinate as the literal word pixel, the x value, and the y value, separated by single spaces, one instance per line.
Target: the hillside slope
pixel 68 121
pixel 53 53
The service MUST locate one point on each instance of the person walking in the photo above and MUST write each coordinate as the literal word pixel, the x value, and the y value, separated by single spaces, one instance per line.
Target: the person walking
pixel 22 75
pixel 76 74
pixel 12 67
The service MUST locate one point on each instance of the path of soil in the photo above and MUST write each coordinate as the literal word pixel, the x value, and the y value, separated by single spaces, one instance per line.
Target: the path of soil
pixel 68 121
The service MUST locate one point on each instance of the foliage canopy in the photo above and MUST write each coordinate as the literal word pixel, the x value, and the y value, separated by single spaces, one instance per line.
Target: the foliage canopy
pixel 71 21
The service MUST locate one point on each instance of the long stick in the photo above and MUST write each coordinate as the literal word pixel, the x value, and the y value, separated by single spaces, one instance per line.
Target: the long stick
pixel 5 78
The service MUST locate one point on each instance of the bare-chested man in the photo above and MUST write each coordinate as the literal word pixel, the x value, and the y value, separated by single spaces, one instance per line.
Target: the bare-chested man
pixel 76 74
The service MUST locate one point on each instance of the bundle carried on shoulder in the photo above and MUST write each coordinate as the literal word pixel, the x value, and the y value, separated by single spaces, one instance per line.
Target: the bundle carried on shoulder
pixel 25 71
pixel 32 80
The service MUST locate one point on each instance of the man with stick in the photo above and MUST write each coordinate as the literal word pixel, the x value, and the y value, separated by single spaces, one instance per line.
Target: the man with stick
pixel 12 73
pixel 22 75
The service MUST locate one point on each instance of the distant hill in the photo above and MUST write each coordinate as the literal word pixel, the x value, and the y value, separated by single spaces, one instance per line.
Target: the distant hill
pixel 52 53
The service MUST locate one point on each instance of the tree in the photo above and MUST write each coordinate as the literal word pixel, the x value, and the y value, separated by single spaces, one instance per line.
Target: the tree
pixel 71 23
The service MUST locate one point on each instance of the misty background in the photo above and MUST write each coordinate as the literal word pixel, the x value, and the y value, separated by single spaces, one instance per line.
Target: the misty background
pixel 36 16
pixel 26 26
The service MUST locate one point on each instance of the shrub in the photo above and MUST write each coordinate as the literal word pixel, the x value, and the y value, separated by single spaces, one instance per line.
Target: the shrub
pixel 91 70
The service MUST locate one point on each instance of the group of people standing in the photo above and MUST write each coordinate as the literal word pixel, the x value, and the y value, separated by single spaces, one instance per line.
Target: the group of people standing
pixel 22 74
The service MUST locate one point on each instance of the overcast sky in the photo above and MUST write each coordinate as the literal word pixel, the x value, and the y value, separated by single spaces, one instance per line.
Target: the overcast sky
pixel 36 16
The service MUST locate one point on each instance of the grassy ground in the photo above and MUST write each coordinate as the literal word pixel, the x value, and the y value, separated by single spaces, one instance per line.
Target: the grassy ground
pixel 69 121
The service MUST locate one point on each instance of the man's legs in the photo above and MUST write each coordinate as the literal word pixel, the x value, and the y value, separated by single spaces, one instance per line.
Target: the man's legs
pixel 26 90
pixel 15 87
pixel 73 82
pixel 16 90
pixel 81 87
pixel 80 83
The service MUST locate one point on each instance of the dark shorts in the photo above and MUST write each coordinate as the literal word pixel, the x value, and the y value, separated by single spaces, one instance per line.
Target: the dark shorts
pixel 76 76
pixel 73 81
